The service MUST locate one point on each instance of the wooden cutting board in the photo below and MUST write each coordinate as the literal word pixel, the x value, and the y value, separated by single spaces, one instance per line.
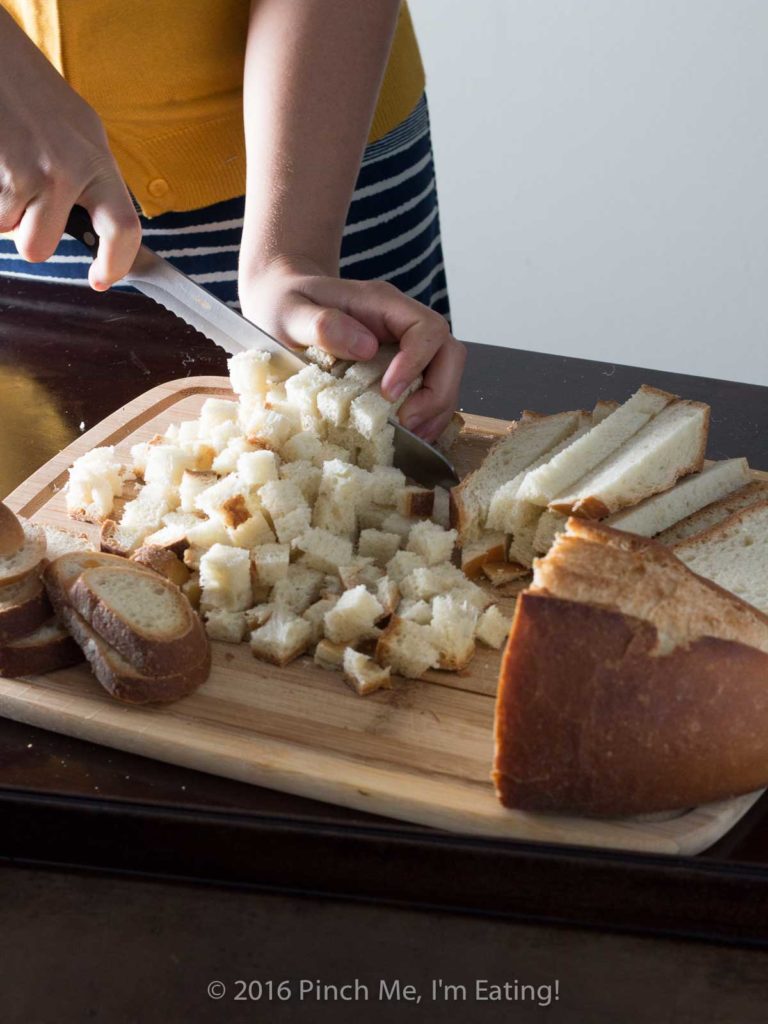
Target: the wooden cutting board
pixel 421 752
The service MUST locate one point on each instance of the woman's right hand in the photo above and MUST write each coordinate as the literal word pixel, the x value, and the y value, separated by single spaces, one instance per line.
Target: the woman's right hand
pixel 54 153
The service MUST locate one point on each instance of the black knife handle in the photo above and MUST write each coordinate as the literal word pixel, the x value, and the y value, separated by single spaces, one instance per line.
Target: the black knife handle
pixel 80 226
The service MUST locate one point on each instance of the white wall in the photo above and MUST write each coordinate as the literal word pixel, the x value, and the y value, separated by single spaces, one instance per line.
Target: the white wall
pixel 603 175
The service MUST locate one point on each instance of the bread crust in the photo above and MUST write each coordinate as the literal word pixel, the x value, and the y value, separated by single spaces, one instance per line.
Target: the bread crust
pixel 23 617
pixel 152 657
pixel 11 532
pixel 25 559
pixel 590 720
pixel 131 686
pixel 25 659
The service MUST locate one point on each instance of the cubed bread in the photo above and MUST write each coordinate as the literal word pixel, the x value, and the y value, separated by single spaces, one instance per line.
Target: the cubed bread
pixel 407 648
pixel 403 563
pixel 226 461
pixel 271 562
pixel 280 497
pixel 329 655
pixel 268 429
pixel 115 539
pixel 258 615
pixel 165 465
pixel 231 500
pixel 399 524
pixel 492 627
pixel 298 589
pixel 424 584
pixel 387 594
pixel 304 446
pixel 257 468
pixel 380 451
pixel 369 413
pixel 315 616
pixel 306 477
pixel 453 630
pixel 353 617
pixel 370 517
pixel 283 637
pixel 192 590
pixel 361 570
pixel 417 611
pixel 193 483
pixel 334 401
pixel 378 545
pixel 363 674
pixel 207 533
pixel 500 574
pixel 163 561
pixel 224 625
pixel 342 489
pixel 303 388
pixel 252 532
pixel 189 430
pixel 386 484
pixel 225 578
pixel 415 501
pixel 432 542
pixel 490 547
pixel 249 372
pixel 145 513
pixel 293 525
pixel 324 550
pixel 214 413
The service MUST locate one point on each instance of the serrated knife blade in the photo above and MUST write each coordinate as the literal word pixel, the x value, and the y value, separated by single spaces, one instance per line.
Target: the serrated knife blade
pixel 172 289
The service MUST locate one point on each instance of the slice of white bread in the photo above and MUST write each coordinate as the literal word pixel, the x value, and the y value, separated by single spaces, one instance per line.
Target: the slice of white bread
pixel 48 648
pixel 24 606
pixel 121 679
pixel 734 554
pixel 689 495
pixel 593 447
pixel 11 532
pixel 528 439
pixel 26 558
pixel 145 617
pixel 715 513
pixel 629 685
pixel 671 445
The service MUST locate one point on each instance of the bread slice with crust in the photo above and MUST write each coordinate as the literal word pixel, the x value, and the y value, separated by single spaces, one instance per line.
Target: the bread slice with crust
pixel 46 649
pixel 629 685
pixel 24 606
pixel 121 679
pixel 25 559
pixel 715 513
pixel 145 617
pixel 11 532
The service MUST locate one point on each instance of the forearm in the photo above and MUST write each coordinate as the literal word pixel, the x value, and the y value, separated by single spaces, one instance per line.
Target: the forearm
pixel 312 76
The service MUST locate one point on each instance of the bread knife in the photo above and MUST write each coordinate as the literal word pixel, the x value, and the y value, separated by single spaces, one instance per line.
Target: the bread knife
pixel 172 289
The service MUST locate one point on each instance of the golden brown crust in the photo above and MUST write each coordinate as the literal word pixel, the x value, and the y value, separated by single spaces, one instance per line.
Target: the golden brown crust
pixel 162 561
pixel 499 574
pixel 476 555
pixel 108 542
pixel 11 532
pixel 36 659
pixel 24 616
pixel 589 720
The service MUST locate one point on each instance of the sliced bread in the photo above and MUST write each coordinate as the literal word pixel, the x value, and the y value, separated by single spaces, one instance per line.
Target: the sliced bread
pixel 528 439
pixel 694 492
pixel 11 532
pixel 715 513
pixel 61 542
pixel 46 649
pixel 121 679
pixel 670 446
pixel 24 606
pixel 26 558
pixel 587 451
pixel 145 617
pixel 734 554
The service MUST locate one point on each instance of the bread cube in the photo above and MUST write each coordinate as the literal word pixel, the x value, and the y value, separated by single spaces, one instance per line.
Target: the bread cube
pixel 341 488
pixel 415 501
pixel 280 497
pixel 258 615
pixel 220 435
pixel 416 611
pixel 252 532
pixel 302 390
pixel 323 550
pixel 329 656
pixel 256 468
pixel 214 413
pixel 201 453
pixel 368 414
pixel 305 446
pixel 116 540
pixel 192 590
pixel 207 533
pixel 147 509
pixel 293 525
pixel 268 429
pixel 138 459
pixel 225 578
pixel 305 476
pixel 371 517
pixel 353 617
pixel 387 594
pixel 453 630
pixel 380 451
pixel 492 627
pixel 424 584
pixel 227 459
pixel 441 509
pixel 284 637
pixel 368 372
pixel 403 563
pixel 189 430
pixel 315 616
pixel 230 500
pixel 224 625
pixel 249 372
pixel 328 452
pixel 491 547
pixel 298 589
pixel 386 484
pixel 271 562
pixel 399 524
pixel 378 545
pixel 89 498
pixel 165 465
pixel 407 648
pixel 193 483
pixel 362 570
pixel 432 542
pixel 334 401
pixel 363 674
pixel 102 463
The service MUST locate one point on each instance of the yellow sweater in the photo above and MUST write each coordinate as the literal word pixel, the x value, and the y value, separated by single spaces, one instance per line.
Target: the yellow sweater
pixel 166 78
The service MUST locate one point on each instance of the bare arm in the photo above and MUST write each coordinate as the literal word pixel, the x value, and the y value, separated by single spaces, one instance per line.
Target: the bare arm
pixel 313 72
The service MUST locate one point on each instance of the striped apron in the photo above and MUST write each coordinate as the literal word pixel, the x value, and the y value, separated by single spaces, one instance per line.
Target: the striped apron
pixel 392 231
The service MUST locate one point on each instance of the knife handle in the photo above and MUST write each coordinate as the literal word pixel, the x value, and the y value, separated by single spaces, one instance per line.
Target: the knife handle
pixel 80 226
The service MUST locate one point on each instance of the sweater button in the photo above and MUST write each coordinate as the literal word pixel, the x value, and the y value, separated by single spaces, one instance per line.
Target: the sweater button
pixel 157 188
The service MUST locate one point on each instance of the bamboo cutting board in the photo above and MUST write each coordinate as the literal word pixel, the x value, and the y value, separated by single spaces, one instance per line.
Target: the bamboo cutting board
pixel 421 752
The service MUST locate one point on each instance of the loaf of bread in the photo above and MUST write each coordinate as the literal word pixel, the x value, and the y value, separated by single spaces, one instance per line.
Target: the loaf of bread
pixel 629 685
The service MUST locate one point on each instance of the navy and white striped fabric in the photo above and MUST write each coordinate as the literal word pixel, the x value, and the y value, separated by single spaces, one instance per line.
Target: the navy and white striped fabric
pixel 392 231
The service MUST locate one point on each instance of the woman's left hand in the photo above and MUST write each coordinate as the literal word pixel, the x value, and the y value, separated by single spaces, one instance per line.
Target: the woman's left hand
pixel 301 305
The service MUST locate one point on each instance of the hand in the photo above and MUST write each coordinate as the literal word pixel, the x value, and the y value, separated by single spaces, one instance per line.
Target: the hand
pixel 302 306
pixel 54 153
